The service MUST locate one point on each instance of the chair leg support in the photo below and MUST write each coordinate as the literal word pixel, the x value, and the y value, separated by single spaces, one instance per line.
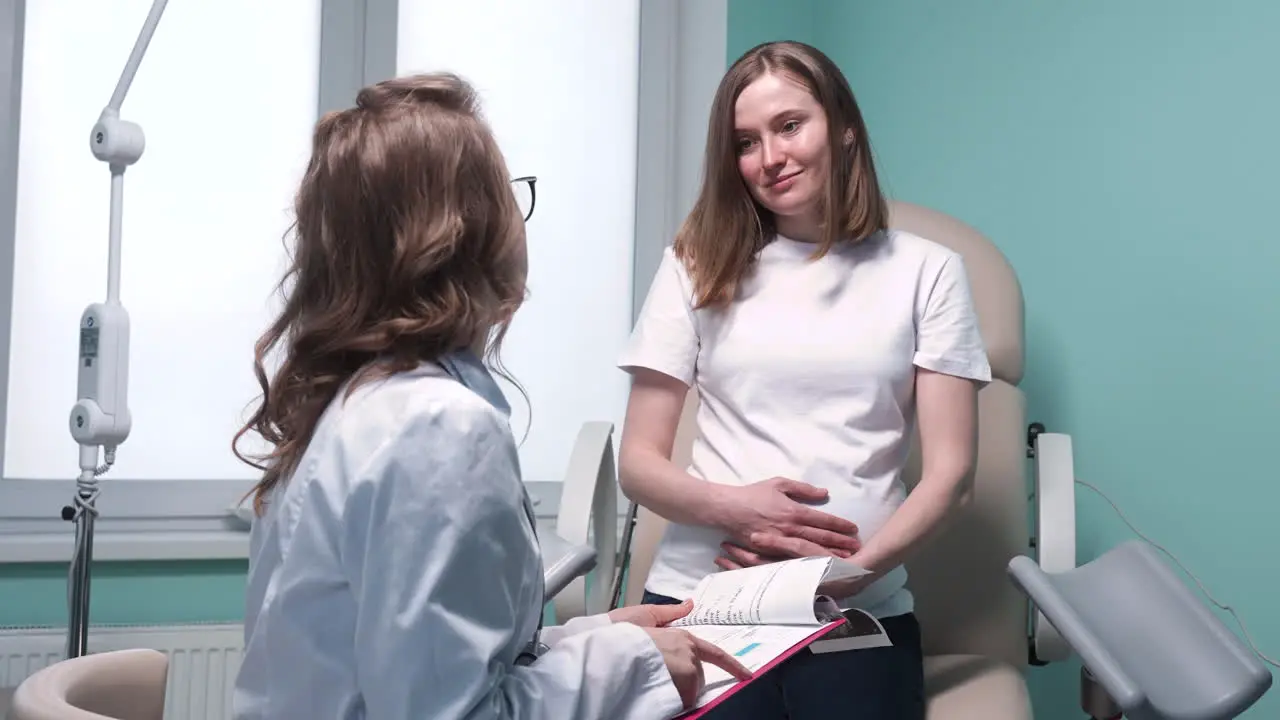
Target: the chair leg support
pixel 624 559
pixel 1095 701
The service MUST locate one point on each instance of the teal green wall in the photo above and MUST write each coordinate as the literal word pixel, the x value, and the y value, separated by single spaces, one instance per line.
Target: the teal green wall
pixel 757 21
pixel 132 592
pixel 1122 155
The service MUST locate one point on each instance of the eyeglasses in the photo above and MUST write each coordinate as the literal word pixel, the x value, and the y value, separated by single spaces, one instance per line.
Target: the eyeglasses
pixel 526 194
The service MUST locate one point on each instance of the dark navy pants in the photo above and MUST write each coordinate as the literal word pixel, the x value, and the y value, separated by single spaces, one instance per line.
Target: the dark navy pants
pixel 884 683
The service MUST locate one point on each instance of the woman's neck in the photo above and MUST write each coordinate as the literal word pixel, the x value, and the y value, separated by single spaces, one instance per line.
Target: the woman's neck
pixel 801 228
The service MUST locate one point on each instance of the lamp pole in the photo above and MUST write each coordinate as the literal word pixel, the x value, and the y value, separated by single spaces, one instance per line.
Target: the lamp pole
pixel 100 419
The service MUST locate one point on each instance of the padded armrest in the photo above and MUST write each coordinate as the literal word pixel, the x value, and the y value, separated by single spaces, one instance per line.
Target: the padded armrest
pixel 1038 586
pixel 563 562
pixel 1055 500
pixel 1147 639
pixel 589 516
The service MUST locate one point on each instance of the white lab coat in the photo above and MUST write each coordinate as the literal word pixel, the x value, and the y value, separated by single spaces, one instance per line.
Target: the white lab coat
pixel 396 577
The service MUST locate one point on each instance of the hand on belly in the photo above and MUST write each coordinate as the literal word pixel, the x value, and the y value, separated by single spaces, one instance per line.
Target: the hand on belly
pixel 775 519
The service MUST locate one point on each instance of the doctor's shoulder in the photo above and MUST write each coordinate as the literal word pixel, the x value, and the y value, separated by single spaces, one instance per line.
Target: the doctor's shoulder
pixel 424 404
pixel 423 418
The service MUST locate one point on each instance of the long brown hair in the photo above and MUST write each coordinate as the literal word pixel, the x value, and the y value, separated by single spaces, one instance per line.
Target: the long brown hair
pixel 723 233
pixel 408 244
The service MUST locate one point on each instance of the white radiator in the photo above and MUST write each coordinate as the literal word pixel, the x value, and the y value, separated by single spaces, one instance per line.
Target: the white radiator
pixel 203 660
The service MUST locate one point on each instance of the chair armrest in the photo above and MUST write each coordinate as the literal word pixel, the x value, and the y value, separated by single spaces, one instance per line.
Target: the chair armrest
pixel 1037 585
pixel 563 562
pixel 1055 544
pixel 589 516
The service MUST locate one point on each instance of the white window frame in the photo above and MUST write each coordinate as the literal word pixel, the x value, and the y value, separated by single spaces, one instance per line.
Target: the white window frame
pixel 682 55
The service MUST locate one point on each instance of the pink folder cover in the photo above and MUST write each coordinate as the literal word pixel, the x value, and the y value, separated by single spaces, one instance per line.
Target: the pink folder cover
pixel 694 714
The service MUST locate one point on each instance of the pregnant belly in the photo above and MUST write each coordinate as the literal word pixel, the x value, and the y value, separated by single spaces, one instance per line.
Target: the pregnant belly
pixel 864 509
pixel 688 553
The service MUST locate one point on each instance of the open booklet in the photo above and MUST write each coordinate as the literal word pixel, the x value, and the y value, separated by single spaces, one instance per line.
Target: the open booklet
pixel 764 614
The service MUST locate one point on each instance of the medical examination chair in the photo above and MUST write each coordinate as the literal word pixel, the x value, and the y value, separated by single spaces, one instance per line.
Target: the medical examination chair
pixel 116 685
pixel 974 621
pixel 1124 614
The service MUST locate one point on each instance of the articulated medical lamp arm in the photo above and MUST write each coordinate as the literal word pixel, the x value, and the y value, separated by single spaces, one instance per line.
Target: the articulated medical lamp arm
pixel 100 417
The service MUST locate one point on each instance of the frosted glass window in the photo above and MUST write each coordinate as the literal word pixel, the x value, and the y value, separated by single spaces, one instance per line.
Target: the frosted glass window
pixel 559 82
pixel 227 98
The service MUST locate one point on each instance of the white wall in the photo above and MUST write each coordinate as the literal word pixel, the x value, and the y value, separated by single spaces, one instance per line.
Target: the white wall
pixel 559 81
pixel 227 98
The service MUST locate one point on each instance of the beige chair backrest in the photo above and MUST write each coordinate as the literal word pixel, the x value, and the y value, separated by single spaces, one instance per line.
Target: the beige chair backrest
pixel 117 685
pixel 964 599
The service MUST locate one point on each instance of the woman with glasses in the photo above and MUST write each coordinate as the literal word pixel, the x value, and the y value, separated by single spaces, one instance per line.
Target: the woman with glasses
pixel 394 568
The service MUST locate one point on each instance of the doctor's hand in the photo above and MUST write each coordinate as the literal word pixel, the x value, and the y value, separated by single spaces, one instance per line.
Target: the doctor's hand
pixel 772 520
pixel 651 616
pixel 684 654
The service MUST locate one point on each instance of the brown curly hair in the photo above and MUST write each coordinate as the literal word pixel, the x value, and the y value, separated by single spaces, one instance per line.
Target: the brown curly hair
pixel 408 244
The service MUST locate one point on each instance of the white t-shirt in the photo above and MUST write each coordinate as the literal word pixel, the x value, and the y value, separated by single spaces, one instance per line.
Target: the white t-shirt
pixel 809 375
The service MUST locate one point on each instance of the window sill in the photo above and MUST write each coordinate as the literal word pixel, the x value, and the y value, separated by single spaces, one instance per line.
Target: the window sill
pixel 137 520
pixel 122 546
pixel 155 520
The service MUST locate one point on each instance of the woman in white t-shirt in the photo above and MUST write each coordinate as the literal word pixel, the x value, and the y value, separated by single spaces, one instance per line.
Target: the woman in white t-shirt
pixel 815 337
